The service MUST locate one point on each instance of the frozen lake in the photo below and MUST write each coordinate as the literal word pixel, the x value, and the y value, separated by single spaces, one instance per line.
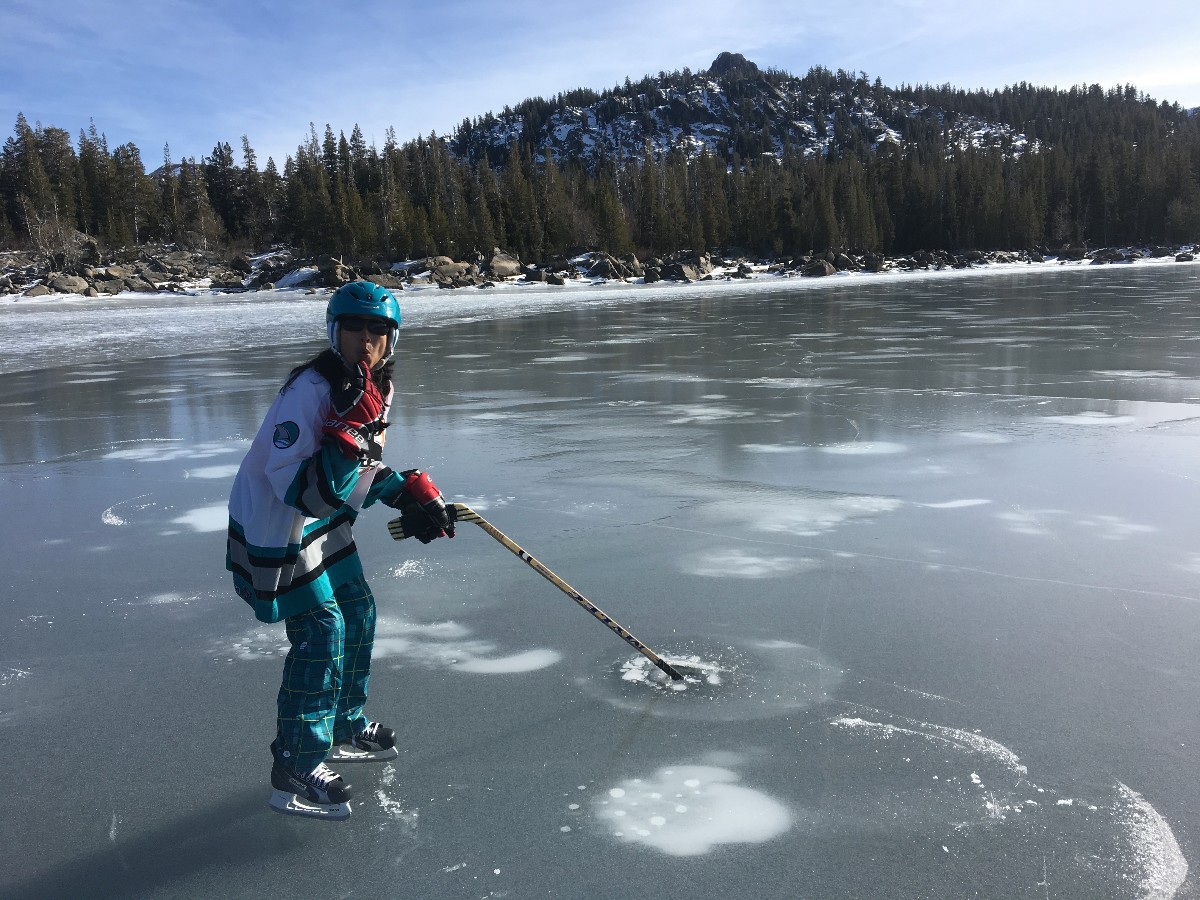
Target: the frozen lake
pixel 935 539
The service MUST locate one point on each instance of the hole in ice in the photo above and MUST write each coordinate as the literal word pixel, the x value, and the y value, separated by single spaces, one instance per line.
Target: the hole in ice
pixel 752 680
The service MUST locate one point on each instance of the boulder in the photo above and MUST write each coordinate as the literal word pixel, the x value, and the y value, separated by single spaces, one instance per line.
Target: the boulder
pixel 110 286
pixel 555 278
pixel 240 263
pixel 503 265
pixel 138 284
pixel 651 274
pixel 38 290
pixel 1185 257
pixel 391 282
pixel 68 284
pixel 818 267
pixel 535 275
pixel 119 272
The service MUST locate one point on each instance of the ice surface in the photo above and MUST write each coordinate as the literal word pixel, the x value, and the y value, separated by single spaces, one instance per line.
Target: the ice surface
pixel 925 550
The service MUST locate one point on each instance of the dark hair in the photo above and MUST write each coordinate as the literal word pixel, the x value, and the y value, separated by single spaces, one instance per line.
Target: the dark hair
pixel 330 367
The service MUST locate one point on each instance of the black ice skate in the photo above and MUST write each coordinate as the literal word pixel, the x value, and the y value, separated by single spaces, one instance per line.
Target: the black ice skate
pixel 375 743
pixel 321 794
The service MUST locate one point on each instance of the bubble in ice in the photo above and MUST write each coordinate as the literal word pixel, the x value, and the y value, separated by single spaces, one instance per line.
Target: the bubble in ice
pixel 688 810
pixel 721 682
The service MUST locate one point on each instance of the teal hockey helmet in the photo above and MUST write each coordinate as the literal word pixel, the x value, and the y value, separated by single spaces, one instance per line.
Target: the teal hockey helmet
pixel 362 298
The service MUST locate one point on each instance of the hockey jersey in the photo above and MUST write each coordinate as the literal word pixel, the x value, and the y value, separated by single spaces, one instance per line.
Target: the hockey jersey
pixel 293 504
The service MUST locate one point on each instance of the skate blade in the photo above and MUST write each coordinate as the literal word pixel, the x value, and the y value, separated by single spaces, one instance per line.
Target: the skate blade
pixel 291 805
pixel 347 753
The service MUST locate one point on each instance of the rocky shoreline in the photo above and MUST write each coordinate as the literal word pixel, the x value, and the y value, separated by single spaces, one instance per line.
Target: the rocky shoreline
pixel 172 269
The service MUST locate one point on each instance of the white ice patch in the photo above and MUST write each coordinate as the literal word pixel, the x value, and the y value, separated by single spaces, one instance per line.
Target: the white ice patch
pixel 529 661
pixel 956 504
pixel 1164 866
pixel 412 568
pixel 205 518
pixel 448 645
pixel 1090 418
pixel 772 448
pixel 697 414
pixel 213 472
pixel 964 741
pixel 983 437
pixel 566 357
pixel 170 449
pixel 9 675
pixel 690 810
pixel 735 563
pixel 864 448
pixel 109 517
pixel 803 515
pixel 1037 522
pixel 396 811
pixel 799 384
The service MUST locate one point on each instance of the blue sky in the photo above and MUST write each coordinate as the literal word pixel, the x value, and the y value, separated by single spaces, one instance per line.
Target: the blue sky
pixel 190 73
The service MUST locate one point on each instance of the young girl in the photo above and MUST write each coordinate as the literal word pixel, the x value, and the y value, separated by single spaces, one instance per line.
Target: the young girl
pixel 314 464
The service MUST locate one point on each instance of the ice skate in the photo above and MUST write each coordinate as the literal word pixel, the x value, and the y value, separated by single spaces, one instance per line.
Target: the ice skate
pixel 321 794
pixel 375 743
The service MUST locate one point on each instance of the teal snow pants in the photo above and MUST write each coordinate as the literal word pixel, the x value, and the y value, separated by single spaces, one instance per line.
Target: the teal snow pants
pixel 325 676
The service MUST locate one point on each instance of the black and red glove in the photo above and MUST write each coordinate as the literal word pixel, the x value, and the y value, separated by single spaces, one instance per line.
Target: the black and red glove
pixel 423 510
pixel 356 413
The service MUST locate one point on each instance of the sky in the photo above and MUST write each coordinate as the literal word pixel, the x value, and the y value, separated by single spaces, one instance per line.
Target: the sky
pixel 190 74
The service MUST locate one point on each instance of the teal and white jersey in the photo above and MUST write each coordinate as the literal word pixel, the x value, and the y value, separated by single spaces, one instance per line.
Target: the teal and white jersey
pixel 293 504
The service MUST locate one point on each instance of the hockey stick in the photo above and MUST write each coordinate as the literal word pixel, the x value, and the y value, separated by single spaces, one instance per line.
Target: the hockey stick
pixel 466 514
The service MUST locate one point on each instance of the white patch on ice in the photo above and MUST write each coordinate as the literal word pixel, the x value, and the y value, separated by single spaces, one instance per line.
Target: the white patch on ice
pixel 803 515
pixel 1133 374
pixel 448 644
pixel 690 810
pixel 412 568
pixel 205 518
pixel 86 380
pixel 395 810
pixel 965 741
pixel 1109 528
pixel 108 517
pixel 1091 417
pixel 736 563
pixel 529 661
pixel 864 448
pixel 8 676
pixel 956 504
pixel 214 472
pixel 1165 868
pixel 983 437
pixel 687 415
pixel 772 448
pixel 796 383
pixel 566 357
pixel 169 449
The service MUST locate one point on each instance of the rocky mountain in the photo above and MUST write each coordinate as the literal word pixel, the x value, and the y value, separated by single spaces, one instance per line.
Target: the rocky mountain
pixel 734 107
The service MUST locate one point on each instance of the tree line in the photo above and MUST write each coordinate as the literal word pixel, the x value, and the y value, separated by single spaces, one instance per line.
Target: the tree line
pixel 1102 168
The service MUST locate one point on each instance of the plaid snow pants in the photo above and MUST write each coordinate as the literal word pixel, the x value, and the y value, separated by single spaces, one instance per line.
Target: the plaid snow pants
pixel 325 676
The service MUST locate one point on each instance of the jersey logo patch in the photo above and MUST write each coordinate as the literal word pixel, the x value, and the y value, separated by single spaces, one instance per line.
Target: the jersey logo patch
pixel 286 434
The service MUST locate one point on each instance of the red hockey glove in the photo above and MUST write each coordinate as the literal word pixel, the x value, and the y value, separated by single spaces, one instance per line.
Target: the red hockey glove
pixel 356 412
pixel 421 493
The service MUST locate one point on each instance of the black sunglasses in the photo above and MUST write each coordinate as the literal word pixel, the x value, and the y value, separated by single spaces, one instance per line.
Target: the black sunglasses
pixel 357 323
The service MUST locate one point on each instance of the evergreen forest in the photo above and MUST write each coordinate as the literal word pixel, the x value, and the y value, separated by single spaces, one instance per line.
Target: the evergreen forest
pixel 1097 167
